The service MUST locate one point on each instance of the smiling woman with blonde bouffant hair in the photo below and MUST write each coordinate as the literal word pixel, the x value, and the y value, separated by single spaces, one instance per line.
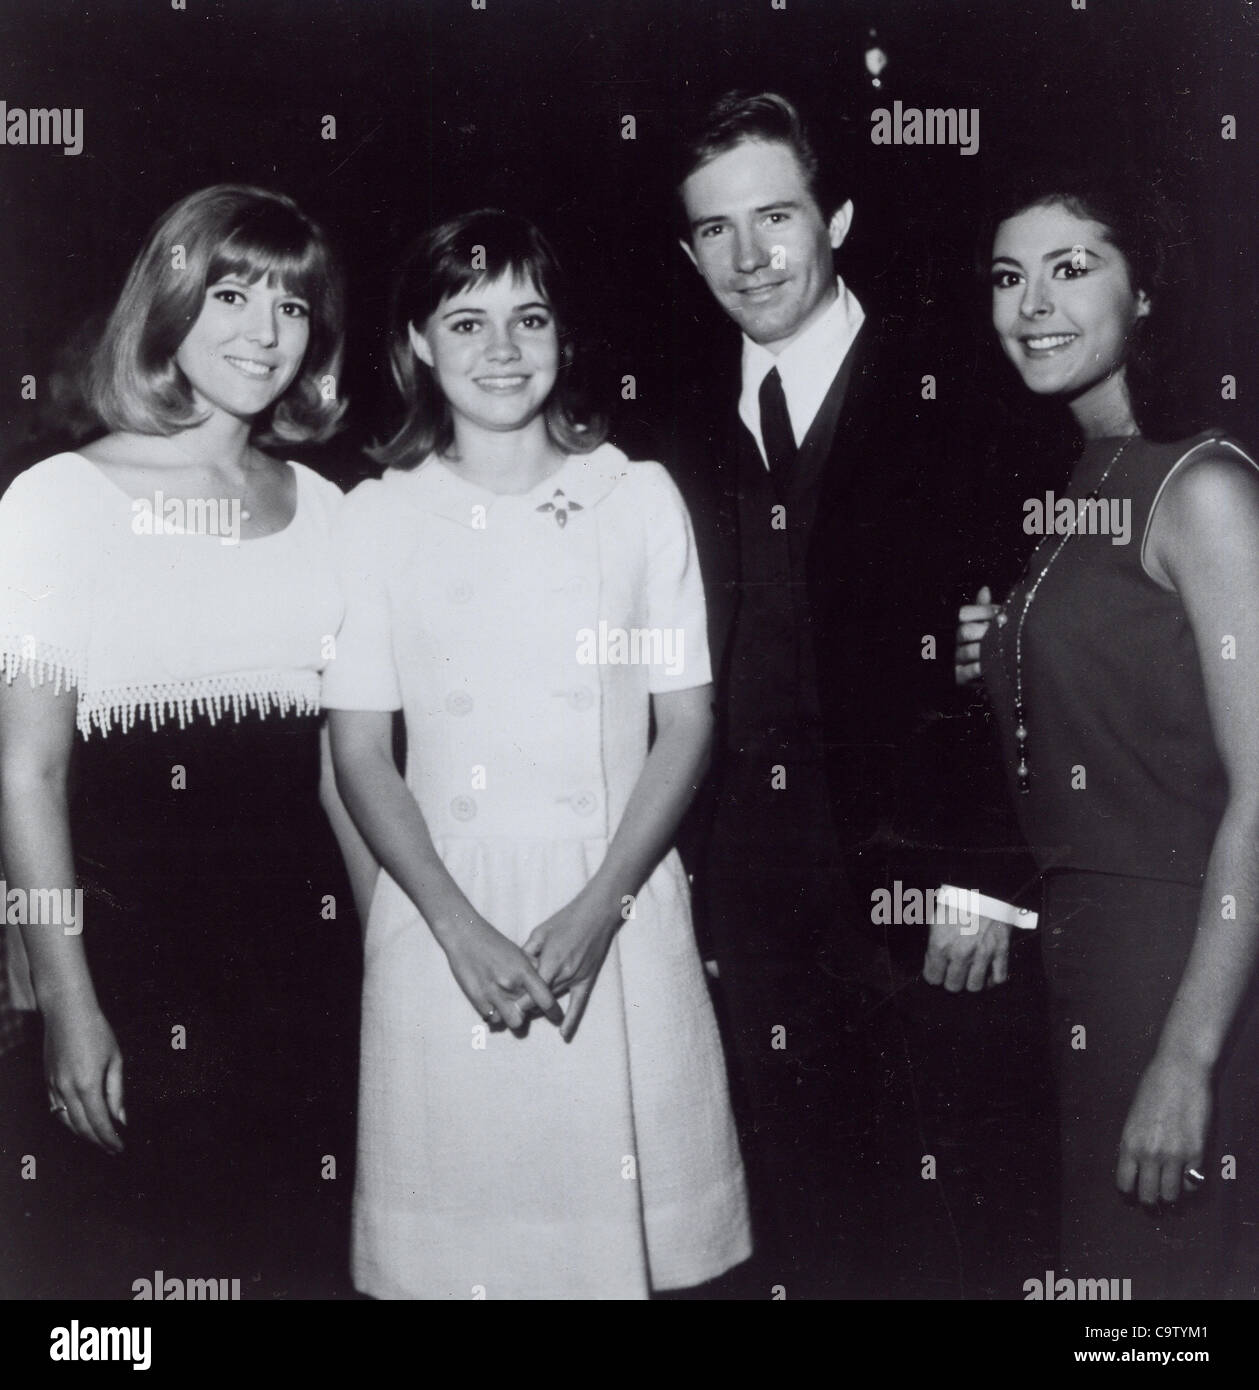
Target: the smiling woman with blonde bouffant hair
pixel 166 607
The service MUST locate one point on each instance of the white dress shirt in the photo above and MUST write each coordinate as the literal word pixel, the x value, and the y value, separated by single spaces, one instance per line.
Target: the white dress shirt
pixel 807 365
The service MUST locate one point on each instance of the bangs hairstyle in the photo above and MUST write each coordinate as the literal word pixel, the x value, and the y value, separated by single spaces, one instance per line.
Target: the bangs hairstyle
pixel 461 254
pixel 231 230
pixel 1144 227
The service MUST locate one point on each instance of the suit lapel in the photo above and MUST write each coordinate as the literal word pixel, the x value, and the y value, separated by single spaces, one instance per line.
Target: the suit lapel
pixel 833 454
pixel 847 428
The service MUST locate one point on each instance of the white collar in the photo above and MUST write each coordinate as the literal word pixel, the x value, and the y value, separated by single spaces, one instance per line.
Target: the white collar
pixel 436 487
pixel 808 365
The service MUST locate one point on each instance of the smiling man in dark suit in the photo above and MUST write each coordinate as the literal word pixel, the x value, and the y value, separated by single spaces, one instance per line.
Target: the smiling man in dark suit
pixel 817 515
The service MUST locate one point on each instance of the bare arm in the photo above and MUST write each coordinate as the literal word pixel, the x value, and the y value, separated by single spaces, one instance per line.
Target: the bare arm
pixel 673 770
pixel 490 970
pixel 570 947
pixel 360 862
pixel 83 1066
pixel 1205 542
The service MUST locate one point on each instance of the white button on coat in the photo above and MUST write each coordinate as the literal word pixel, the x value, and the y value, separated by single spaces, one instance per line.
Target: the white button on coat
pixel 486 1158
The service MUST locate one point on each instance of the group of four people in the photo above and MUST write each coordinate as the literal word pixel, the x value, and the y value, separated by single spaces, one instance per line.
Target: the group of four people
pixel 543 1108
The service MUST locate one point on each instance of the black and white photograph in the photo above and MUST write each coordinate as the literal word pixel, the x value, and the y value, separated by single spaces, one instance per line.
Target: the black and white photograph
pixel 629 663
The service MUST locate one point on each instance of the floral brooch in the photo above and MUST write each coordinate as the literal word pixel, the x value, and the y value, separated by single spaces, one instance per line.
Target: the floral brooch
pixel 560 507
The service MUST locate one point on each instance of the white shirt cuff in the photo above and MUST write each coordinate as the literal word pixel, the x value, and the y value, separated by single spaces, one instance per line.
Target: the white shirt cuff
pixel 959 901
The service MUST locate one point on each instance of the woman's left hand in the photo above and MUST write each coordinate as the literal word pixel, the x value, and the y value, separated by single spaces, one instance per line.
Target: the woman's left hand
pixel 569 949
pixel 1165 1131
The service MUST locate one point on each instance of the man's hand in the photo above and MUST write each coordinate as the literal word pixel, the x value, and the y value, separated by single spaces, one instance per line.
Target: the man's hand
pixel 972 623
pixel 970 955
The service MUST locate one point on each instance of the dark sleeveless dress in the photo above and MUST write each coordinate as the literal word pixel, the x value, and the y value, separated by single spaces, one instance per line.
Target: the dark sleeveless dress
pixel 217 920
pixel 1126 793
pixel 234 998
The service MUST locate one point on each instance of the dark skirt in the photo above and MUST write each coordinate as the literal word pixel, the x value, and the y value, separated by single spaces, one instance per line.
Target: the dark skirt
pixel 225 953
pixel 1115 950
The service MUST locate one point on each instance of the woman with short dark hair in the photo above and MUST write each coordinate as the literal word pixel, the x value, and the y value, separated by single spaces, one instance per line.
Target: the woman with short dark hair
pixel 543 1107
pixel 1122 669
pixel 439 264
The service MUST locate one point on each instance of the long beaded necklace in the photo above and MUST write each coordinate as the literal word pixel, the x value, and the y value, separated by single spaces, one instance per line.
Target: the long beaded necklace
pixel 1020 728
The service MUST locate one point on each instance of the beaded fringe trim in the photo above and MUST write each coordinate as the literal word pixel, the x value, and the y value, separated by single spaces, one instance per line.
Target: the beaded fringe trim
pixel 39 662
pixel 213 697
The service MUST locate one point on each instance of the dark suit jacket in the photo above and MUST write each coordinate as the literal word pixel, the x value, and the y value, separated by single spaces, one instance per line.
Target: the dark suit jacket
pixel 916 791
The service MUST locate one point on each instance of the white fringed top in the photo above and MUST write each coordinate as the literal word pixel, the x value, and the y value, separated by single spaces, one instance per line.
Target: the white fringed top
pixel 146 621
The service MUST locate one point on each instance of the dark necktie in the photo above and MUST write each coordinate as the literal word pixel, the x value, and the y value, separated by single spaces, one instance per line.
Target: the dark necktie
pixel 780 443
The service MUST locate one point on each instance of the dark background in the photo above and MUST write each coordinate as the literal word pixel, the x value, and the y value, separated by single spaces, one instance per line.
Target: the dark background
pixel 440 107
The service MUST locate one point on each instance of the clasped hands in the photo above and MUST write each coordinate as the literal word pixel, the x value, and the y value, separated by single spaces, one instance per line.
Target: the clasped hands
pixel 507 984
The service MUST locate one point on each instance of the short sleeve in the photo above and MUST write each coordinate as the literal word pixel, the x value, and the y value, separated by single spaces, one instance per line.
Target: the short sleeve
pixel 46 557
pixel 675 589
pixel 362 674
pixel 322 495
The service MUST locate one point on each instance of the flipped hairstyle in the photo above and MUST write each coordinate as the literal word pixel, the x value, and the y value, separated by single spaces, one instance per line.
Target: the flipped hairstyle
pixel 134 382
pixel 457 255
